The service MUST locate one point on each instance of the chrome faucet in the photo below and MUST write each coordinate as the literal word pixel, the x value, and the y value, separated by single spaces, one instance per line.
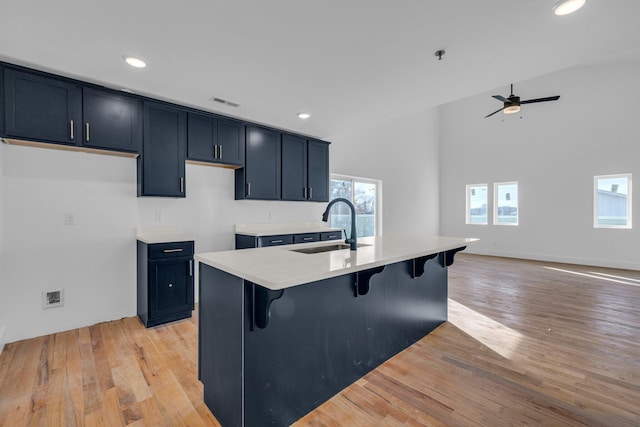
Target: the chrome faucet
pixel 353 241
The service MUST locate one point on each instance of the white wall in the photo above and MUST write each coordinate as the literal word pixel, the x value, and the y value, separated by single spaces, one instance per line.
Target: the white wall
pixel 553 151
pixel 95 260
pixel 403 153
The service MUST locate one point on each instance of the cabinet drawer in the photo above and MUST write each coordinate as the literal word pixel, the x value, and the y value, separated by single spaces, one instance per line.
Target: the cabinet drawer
pixel 284 239
pixel 306 238
pixel 331 235
pixel 171 250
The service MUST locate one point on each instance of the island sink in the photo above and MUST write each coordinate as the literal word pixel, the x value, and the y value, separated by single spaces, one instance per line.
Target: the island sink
pixel 327 248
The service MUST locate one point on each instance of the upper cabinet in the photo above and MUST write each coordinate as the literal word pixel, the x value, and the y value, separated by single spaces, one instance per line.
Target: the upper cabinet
pixel 111 121
pixel 215 140
pixel 305 169
pixel 260 178
pixel 41 108
pixel 56 110
pixel 161 166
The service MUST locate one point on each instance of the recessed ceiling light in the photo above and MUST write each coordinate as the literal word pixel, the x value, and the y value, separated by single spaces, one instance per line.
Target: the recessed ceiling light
pixel 304 115
pixel 134 62
pixel 565 7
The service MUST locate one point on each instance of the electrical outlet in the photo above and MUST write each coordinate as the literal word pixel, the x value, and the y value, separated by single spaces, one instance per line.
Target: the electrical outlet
pixel 53 298
pixel 69 218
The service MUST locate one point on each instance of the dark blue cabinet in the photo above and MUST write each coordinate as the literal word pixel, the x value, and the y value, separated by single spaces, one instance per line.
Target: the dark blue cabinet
pixel 165 282
pixel 305 169
pixel 40 108
pixel 111 121
pixel 260 178
pixel 161 166
pixel 215 140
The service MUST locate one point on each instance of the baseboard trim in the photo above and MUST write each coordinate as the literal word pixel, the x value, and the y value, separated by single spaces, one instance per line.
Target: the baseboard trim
pixel 2 330
pixel 555 258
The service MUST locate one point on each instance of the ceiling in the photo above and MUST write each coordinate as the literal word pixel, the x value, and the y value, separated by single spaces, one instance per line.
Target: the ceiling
pixel 347 63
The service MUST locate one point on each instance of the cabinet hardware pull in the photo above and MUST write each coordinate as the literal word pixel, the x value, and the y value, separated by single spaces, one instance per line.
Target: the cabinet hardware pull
pixel 304 192
pixel 332 236
pixel 182 184
pixel 71 126
pixel 191 268
pixel 171 285
pixel 310 193
pixel 168 251
pixel 248 189
pixel 308 238
pixel 87 126
pixel 220 151
pixel 215 151
pixel 276 241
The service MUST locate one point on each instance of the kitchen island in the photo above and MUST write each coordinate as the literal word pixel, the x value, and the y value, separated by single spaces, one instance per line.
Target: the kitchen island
pixel 283 329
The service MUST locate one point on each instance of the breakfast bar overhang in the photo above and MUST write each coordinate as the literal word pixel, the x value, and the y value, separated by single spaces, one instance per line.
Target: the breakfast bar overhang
pixel 283 329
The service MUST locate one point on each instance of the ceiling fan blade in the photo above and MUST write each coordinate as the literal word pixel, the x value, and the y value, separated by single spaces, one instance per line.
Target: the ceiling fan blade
pixel 497 111
pixel 500 98
pixel 531 101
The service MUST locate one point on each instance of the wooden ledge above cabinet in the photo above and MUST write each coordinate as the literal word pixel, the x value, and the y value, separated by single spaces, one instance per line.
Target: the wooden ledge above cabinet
pixel 36 144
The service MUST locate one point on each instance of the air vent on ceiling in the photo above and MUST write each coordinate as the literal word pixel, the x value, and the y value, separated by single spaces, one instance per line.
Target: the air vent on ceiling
pixel 223 101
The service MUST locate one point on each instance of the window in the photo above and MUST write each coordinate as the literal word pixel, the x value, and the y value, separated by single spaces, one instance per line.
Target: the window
pixel 477 199
pixel 365 194
pixel 505 209
pixel 612 201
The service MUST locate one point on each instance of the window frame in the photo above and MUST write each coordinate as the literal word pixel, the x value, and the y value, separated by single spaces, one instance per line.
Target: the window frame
pixel 496 202
pixel 468 204
pixel 378 184
pixel 629 224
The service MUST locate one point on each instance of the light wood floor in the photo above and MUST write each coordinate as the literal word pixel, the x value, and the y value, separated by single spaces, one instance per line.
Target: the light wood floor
pixel 525 345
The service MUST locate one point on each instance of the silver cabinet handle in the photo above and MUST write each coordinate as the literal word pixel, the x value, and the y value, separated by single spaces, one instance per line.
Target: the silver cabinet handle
pixel 304 192
pixel 220 151
pixel 310 193
pixel 191 268
pixel 215 151
pixel 308 238
pixel 168 251
pixel 248 189
pixel 71 126
pixel 332 236
pixel 276 241
pixel 87 127
pixel 182 184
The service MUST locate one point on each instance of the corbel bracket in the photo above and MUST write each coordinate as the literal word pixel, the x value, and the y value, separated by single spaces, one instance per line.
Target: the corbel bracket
pixel 447 258
pixel 417 265
pixel 363 279
pixel 262 299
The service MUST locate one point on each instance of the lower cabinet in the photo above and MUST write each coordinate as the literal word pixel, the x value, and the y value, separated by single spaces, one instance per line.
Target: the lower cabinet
pixel 244 241
pixel 165 282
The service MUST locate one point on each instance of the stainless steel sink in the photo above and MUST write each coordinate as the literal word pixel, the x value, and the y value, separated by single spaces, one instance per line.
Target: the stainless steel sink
pixel 327 248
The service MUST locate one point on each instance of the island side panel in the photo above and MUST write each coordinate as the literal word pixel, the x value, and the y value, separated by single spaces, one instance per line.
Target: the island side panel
pixel 321 338
pixel 220 352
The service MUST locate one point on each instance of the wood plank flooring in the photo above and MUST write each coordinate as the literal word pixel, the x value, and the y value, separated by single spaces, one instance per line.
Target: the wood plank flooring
pixel 527 343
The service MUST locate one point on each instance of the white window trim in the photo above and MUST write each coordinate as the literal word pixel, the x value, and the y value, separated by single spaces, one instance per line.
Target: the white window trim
pixel 468 205
pixel 595 201
pixel 378 184
pixel 495 204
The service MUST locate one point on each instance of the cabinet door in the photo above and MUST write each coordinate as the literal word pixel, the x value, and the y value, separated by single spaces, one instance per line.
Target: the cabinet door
pixel 39 108
pixel 171 287
pixel 230 139
pixel 294 167
pixel 161 165
pixel 262 164
pixel 111 121
pixel 318 171
pixel 201 145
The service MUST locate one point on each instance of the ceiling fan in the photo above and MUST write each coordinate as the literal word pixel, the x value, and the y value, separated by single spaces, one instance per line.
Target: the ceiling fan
pixel 512 103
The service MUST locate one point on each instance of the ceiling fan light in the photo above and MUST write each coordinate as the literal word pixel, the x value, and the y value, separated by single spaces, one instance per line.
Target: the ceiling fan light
pixel 565 7
pixel 511 109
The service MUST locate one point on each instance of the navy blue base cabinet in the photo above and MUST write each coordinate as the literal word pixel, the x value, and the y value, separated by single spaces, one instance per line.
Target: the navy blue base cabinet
pixel 165 282
pixel 270 357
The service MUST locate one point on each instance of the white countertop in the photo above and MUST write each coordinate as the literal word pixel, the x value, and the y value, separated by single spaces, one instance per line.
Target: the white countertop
pixel 278 267
pixel 272 229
